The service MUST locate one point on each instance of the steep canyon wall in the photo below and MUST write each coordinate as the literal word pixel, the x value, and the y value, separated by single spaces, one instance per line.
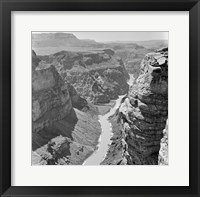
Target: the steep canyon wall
pixel 142 116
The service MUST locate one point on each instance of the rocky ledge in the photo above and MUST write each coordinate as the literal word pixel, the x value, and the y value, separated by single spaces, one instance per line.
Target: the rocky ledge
pixel 65 128
pixel 98 75
pixel 142 116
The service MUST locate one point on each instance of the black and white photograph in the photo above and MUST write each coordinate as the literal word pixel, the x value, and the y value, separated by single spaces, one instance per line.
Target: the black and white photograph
pixel 99 98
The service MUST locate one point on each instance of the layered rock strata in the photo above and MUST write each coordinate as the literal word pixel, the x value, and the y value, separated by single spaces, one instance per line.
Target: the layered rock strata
pixel 143 114
pixel 61 133
pixel 50 98
pixel 98 75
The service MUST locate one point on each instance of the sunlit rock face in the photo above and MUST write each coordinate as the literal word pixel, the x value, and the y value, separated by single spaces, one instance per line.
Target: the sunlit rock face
pixel 98 76
pixel 145 111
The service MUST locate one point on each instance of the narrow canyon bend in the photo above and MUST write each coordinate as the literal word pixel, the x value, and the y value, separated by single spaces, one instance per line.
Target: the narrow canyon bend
pixel 98 103
pixel 105 138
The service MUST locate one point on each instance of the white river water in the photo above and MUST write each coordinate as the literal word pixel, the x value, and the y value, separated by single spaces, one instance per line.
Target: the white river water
pixel 104 140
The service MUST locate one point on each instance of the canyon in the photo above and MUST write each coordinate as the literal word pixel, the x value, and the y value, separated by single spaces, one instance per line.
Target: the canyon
pixel 99 103
pixel 67 88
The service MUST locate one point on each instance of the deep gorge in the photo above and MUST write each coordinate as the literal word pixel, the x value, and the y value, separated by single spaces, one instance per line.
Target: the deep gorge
pixel 74 95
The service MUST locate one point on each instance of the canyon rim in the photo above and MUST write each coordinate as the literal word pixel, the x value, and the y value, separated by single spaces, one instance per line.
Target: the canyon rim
pixel 99 98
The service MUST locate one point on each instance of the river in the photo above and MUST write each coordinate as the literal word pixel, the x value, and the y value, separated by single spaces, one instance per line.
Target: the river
pixel 104 140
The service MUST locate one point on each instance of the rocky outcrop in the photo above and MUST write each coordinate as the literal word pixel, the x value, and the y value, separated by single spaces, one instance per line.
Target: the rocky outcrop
pixel 163 153
pixel 143 114
pixel 61 134
pixel 117 153
pixel 77 101
pixel 97 76
pixel 133 53
pixel 50 98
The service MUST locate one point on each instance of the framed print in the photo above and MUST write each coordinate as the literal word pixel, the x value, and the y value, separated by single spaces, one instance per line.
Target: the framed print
pixel 99 98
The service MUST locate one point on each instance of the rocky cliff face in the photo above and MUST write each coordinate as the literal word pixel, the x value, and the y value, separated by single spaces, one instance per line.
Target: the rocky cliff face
pixel 50 98
pixel 97 76
pixel 61 134
pixel 143 114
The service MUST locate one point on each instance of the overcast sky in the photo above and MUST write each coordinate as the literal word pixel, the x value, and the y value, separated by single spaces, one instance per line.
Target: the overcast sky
pixel 119 36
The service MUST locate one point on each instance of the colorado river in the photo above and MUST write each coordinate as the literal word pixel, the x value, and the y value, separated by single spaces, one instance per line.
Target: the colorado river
pixel 131 80
pixel 104 141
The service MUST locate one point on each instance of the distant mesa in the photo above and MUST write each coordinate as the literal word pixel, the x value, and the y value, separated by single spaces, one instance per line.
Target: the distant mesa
pixel 40 36
pixel 44 40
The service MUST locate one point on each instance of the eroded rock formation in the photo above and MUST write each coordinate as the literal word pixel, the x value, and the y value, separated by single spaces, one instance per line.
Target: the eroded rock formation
pixel 50 98
pixel 143 114
pixel 97 76
pixel 61 133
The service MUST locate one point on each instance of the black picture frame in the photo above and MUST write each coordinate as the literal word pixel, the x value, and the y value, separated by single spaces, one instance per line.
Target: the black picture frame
pixel 7 6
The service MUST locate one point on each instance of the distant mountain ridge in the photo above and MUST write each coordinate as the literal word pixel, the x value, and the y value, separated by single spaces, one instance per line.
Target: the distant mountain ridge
pixel 49 43
pixel 131 52
pixel 58 39
pixel 53 35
